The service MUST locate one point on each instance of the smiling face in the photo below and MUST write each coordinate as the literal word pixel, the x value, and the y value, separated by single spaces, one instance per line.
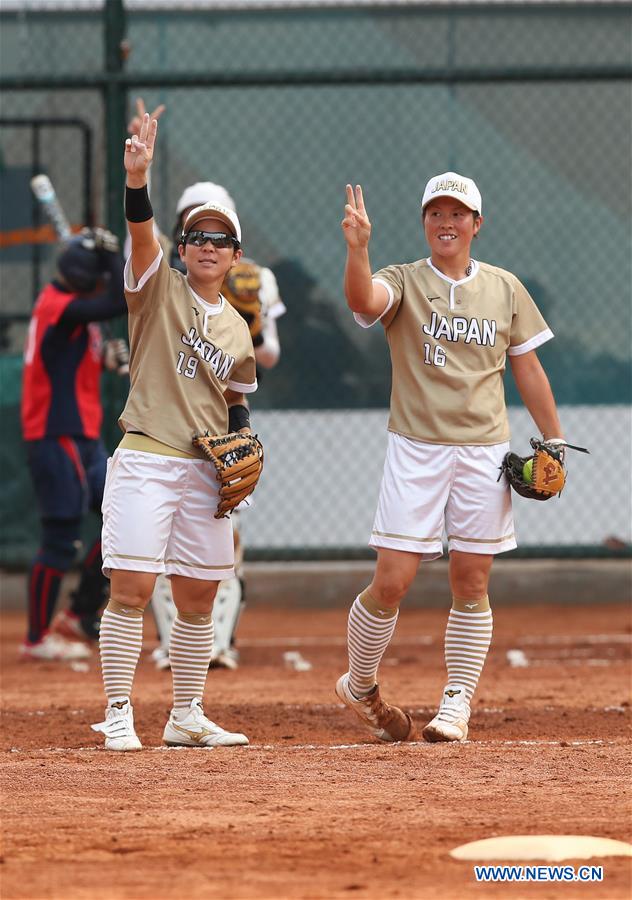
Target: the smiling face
pixel 450 227
pixel 208 263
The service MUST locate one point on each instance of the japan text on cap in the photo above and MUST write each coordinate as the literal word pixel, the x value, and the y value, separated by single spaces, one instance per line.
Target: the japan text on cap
pixel 214 211
pixel 450 184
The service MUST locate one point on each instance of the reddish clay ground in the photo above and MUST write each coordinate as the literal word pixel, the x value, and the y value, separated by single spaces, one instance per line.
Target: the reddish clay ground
pixel 312 809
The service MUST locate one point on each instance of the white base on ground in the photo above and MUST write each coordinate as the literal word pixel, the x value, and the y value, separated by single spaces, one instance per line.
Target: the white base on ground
pixel 549 847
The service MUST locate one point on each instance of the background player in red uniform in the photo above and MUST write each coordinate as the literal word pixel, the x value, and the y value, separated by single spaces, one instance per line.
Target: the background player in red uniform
pixel 61 424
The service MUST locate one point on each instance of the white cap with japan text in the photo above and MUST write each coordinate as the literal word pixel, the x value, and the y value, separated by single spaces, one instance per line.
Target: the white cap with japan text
pixel 450 184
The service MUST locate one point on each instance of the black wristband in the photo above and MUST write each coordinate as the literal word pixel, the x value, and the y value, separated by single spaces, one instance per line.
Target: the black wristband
pixel 137 205
pixel 238 417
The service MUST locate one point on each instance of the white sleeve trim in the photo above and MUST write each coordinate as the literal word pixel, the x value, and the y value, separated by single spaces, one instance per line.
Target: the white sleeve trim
pixel 276 311
pixel 532 343
pixel 367 321
pixel 130 282
pixel 243 388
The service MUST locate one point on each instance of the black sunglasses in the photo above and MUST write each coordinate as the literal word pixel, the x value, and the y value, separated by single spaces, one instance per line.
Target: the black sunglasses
pixel 218 239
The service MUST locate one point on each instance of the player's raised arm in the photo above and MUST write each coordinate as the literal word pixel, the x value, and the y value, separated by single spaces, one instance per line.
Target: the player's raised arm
pixel 139 152
pixel 363 296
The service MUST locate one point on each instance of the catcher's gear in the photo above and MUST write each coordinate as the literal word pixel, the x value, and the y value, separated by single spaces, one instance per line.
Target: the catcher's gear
pixel 541 476
pixel 227 609
pixel 242 288
pixel 204 192
pixel 226 612
pixel 238 461
pixel 164 610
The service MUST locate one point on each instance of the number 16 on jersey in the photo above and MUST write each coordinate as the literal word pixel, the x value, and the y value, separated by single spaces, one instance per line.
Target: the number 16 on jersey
pixel 434 356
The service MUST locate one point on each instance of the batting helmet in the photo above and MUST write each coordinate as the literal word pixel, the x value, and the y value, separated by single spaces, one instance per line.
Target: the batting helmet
pixel 204 192
pixel 79 264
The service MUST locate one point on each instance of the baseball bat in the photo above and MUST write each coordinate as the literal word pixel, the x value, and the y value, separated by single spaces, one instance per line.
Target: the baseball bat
pixel 46 195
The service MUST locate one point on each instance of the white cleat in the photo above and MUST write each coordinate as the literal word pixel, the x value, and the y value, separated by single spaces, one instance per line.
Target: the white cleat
pixel 118 727
pixel 193 729
pixel 54 648
pixel 450 723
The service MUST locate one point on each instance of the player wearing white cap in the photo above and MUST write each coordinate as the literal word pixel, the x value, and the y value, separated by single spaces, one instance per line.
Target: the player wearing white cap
pixel 191 363
pixel 451 322
pixel 253 291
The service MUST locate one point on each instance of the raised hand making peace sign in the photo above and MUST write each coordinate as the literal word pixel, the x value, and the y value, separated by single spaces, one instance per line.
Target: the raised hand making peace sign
pixel 355 225
pixel 363 295
pixel 139 152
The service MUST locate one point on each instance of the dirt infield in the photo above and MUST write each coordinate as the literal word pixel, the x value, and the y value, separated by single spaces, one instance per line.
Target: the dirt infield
pixel 312 809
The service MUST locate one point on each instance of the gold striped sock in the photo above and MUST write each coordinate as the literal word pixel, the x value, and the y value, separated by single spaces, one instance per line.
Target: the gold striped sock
pixel 120 642
pixel 369 631
pixel 467 638
pixel 190 649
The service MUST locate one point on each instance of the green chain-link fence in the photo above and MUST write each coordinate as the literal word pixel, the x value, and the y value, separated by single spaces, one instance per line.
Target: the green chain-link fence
pixel 284 106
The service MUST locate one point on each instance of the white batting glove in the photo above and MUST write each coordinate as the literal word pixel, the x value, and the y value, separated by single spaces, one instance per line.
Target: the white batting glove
pixel 99 239
pixel 105 240
pixel 116 356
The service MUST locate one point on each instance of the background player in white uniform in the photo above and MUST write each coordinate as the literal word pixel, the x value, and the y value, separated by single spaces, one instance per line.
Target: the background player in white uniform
pixel 450 322
pixel 266 338
pixel 191 362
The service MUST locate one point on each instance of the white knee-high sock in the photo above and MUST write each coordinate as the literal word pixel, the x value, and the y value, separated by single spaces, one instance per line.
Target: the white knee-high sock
pixel 120 642
pixel 467 638
pixel 369 631
pixel 190 649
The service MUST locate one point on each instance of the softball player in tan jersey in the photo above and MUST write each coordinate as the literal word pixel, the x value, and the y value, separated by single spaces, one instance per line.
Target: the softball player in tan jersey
pixel 450 323
pixel 191 362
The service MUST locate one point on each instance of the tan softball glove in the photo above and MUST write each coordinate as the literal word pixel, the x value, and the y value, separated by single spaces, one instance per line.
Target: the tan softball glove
pixel 238 461
pixel 541 476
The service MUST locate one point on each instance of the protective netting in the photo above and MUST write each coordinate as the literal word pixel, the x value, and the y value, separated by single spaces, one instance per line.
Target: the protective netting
pixel 284 107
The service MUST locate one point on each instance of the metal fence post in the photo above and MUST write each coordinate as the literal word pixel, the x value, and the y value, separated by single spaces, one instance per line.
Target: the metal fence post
pixel 114 95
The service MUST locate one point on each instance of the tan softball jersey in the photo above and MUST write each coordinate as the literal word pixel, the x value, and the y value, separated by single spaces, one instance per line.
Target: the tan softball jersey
pixel 448 342
pixel 184 354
